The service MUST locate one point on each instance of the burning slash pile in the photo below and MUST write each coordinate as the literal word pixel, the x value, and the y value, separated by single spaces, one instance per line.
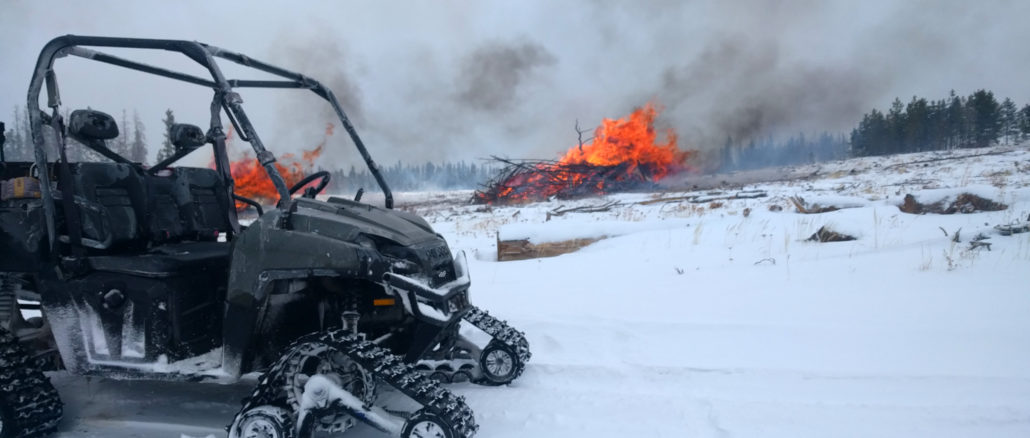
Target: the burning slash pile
pixel 252 181
pixel 623 155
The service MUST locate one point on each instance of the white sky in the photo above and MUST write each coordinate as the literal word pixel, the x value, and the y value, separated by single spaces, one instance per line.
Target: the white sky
pixel 404 69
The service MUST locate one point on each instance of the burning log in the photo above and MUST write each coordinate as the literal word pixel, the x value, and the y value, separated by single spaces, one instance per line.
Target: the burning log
pixel 623 155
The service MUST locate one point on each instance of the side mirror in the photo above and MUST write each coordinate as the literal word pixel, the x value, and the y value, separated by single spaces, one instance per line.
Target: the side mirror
pixel 186 137
pixel 87 126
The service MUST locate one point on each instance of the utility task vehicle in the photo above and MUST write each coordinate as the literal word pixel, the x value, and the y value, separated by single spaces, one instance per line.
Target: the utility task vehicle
pixel 146 273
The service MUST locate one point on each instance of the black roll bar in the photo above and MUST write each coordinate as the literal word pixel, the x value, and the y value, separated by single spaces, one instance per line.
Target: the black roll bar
pixel 225 99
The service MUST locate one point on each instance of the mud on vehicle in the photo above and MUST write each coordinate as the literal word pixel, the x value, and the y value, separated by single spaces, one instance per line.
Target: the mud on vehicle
pixel 147 273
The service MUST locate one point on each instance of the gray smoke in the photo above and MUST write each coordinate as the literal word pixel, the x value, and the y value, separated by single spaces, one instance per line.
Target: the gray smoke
pixel 491 75
pixel 302 117
pixel 440 107
pixel 473 79
pixel 777 69
pixel 742 88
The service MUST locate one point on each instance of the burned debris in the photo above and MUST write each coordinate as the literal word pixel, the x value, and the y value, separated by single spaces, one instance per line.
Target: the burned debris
pixel 825 234
pixel 964 203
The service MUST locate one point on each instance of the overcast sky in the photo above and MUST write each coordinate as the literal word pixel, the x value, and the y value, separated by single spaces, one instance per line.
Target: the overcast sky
pixel 464 80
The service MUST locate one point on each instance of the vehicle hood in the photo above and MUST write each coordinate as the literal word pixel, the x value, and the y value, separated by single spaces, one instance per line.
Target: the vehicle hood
pixel 347 220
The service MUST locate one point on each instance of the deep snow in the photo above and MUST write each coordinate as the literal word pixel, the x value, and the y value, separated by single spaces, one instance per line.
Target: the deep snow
pixel 692 320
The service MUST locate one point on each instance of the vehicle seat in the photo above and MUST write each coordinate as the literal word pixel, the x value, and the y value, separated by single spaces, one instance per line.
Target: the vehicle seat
pixel 168 200
pixel 206 214
pixel 168 260
pixel 181 220
pixel 118 190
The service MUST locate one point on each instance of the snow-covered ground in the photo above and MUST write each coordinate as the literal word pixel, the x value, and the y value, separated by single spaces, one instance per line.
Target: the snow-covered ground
pixel 698 320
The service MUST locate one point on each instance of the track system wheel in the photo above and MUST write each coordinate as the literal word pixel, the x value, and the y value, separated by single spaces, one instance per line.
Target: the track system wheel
pixel 500 364
pixel 263 421
pixel 440 377
pixel 425 424
pixel 315 358
pixel 461 376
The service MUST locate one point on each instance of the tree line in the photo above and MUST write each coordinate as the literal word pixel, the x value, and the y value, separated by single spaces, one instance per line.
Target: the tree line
pixel 977 120
pixel 767 152
pixel 131 142
pixel 414 177
pixel 973 121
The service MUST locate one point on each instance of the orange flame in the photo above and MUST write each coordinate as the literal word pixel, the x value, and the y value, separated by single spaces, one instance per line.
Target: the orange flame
pixel 631 140
pixel 624 152
pixel 253 182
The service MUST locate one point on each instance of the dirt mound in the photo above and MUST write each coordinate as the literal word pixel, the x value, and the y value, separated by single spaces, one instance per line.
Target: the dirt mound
pixel 964 203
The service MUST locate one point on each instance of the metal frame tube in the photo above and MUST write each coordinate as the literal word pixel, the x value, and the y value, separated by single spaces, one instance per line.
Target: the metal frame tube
pixel 204 55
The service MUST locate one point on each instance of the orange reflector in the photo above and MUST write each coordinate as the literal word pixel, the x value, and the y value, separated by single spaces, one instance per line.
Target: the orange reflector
pixel 383 302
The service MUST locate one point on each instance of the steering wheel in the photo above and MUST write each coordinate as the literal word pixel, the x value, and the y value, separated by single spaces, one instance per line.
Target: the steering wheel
pixel 323 178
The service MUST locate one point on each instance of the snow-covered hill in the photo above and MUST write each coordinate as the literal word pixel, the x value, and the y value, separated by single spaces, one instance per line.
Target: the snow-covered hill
pixel 694 319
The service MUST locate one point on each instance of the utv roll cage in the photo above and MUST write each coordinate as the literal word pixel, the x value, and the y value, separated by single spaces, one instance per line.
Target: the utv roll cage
pixel 224 99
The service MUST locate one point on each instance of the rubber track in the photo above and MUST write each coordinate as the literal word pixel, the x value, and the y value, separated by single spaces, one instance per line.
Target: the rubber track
pixel 390 369
pixel 37 405
pixel 8 301
pixel 501 332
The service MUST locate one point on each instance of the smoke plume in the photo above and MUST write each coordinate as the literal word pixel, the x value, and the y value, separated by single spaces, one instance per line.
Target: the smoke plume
pixel 491 75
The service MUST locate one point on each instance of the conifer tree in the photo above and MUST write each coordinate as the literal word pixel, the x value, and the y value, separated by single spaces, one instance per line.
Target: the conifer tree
pixel 1009 121
pixel 986 117
pixel 120 145
pixel 138 148
pixel 167 149
pixel 1024 123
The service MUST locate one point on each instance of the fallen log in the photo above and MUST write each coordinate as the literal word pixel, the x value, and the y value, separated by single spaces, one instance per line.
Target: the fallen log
pixel 1010 229
pixel 560 211
pixel 523 249
pixel 701 199
pixel 938 159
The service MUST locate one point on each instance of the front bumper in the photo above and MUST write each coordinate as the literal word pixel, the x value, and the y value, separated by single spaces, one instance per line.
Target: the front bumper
pixel 438 306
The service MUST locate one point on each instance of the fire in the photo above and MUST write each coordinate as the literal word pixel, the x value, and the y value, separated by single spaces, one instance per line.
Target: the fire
pixel 625 153
pixel 253 182
pixel 631 140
